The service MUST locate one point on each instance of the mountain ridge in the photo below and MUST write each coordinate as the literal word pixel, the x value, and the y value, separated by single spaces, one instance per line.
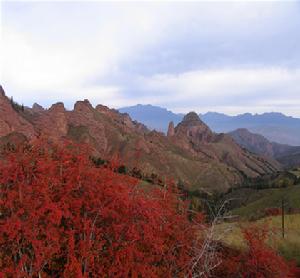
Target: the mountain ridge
pixel 275 126
pixel 194 155
pixel 258 144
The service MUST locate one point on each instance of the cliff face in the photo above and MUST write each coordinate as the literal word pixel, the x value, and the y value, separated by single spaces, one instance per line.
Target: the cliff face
pixel 52 122
pixel 191 133
pixel 191 152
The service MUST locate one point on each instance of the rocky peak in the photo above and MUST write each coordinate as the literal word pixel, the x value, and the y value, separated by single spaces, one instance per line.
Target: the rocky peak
pixel 191 118
pixel 102 108
pixel 37 108
pixel 192 122
pixel 171 129
pixel 83 106
pixel 193 132
pixel 57 107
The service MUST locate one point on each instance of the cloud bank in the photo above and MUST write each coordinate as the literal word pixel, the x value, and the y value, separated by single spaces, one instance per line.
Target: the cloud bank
pixel 227 57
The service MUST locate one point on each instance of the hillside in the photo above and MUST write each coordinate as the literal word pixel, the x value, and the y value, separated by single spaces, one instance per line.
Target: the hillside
pixel 192 154
pixel 252 204
pixel 288 247
pixel 256 143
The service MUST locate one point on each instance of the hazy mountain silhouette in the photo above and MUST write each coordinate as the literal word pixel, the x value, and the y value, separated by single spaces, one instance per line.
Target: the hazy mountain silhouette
pixel 276 127
pixel 154 117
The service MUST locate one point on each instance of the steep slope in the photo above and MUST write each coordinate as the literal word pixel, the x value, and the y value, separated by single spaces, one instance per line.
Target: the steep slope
pixel 191 154
pixel 256 143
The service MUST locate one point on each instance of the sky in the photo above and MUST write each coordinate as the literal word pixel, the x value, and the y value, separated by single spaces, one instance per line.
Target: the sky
pixel 229 57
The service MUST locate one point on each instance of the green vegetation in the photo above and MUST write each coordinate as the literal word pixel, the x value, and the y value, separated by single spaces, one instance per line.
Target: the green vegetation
pixel 78 133
pixel 269 198
pixel 16 106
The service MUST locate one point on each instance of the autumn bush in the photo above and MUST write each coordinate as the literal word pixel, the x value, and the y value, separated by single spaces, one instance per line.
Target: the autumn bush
pixel 63 216
pixel 257 261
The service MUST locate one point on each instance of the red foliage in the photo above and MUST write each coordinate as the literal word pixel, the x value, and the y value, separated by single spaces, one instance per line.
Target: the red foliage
pixel 62 217
pixel 259 261
pixel 272 211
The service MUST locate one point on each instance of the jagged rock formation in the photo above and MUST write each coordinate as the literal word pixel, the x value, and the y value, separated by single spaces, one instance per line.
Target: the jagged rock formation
pixel 191 153
pixel 192 132
pixel 36 108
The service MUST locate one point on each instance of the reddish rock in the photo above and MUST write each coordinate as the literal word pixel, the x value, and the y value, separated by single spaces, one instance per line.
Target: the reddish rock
pixel 11 120
pixel 171 130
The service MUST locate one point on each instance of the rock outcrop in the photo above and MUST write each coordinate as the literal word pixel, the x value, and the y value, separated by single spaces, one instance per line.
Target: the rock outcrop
pixel 171 130
pixel 36 108
pixel 192 132
pixel 52 122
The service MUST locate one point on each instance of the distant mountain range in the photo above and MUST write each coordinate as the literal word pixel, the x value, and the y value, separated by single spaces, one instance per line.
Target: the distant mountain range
pixel 154 117
pixel 276 127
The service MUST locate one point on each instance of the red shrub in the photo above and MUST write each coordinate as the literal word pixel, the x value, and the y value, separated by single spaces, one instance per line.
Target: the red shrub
pixel 259 261
pixel 272 211
pixel 61 216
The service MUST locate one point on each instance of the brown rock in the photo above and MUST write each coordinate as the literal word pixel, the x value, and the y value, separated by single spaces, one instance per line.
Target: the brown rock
pixel 171 130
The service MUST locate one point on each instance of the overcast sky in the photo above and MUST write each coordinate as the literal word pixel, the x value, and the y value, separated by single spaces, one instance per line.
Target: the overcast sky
pixel 230 57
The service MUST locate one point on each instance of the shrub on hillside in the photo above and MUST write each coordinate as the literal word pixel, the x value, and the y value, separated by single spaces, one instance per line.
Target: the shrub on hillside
pixel 63 217
pixel 258 261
